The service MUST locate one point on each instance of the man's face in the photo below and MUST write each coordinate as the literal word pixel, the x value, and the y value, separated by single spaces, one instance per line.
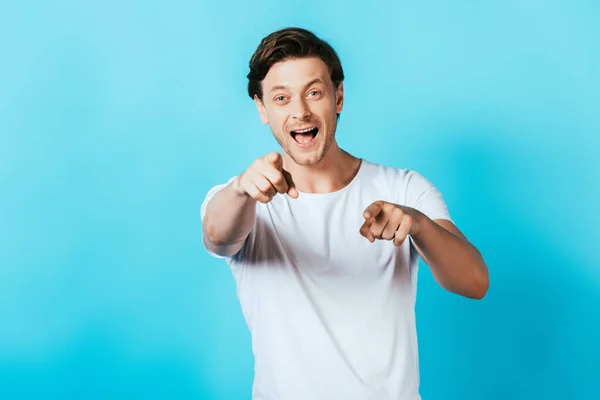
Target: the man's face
pixel 301 104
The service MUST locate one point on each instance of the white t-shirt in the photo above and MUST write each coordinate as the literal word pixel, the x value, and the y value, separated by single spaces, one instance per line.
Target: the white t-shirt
pixel 331 315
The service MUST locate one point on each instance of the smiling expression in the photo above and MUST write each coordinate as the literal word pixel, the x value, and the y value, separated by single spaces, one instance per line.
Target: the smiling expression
pixel 300 104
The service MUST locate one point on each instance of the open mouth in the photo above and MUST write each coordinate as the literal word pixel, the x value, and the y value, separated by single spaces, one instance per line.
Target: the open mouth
pixel 305 136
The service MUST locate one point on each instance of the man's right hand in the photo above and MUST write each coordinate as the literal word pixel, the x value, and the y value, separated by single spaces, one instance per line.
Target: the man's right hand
pixel 265 178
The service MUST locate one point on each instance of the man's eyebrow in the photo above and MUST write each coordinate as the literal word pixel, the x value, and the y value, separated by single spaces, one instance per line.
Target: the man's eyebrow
pixel 278 87
pixel 283 87
pixel 316 80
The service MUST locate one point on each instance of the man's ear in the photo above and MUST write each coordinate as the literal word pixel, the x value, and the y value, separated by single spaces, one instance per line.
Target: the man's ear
pixel 339 98
pixel 261 110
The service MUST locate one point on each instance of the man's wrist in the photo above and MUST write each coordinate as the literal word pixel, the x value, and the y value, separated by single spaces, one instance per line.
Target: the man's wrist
pixel 237 188
pixel 423 223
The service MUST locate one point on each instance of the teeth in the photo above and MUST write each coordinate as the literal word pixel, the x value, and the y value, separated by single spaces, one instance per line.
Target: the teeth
pixel 305 130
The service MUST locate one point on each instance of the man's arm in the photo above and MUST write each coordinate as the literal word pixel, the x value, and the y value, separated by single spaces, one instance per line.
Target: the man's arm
pixel 229 218
pixel 231 213
pixel 455 263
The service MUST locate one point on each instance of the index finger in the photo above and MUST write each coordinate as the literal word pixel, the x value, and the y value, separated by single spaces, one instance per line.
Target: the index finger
pixel 274 159
pixel 373 210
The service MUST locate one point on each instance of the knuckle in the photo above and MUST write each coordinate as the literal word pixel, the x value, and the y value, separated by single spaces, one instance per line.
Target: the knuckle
pixel 264 187
pixel 255 194
pixel 248 188
pixel 243 180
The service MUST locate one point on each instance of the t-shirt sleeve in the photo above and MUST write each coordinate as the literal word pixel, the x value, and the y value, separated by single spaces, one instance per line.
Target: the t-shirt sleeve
pixel 211 193
pixel 422 195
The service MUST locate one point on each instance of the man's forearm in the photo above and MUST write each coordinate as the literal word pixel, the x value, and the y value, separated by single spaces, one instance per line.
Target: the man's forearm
pixel 229 218
pixel 454 262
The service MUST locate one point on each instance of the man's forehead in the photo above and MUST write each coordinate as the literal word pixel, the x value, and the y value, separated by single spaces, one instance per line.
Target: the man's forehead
pixel 295 85
pixel 296 73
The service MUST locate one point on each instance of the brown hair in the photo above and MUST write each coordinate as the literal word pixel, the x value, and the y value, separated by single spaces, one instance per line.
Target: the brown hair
pixel 290 43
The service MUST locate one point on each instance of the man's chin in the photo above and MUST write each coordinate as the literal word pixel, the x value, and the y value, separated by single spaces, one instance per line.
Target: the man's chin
pixel 307 160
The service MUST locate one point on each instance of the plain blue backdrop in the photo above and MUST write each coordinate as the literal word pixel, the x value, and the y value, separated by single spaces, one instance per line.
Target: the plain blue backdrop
pixel 117 117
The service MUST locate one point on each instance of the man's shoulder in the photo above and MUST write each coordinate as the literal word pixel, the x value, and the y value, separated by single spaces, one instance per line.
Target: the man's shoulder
pixel 397 179
pixel 383 170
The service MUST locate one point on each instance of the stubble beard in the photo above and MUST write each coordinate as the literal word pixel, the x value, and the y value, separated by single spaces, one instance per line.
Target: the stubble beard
pixel 305 161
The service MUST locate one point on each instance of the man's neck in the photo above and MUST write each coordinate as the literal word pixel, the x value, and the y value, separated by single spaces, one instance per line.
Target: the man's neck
pixel 333 173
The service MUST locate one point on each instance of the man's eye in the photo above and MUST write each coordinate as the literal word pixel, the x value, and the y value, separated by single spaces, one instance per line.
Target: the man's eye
pixel 280 98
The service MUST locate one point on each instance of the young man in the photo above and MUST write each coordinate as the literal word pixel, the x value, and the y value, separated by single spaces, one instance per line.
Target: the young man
pixel 324 245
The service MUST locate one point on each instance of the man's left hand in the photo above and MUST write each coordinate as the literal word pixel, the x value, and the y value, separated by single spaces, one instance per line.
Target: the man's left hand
pixel 390 221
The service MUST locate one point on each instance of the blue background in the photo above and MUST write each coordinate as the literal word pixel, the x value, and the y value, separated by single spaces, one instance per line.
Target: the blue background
pixel 117 117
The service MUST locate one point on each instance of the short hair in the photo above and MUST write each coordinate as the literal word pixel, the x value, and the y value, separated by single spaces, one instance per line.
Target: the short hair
pixel 290 43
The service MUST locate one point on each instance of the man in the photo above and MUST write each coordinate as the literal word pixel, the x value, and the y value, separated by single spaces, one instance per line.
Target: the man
pixel 324 245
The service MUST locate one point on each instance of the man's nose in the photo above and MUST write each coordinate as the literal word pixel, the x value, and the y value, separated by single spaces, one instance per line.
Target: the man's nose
pixel 301 110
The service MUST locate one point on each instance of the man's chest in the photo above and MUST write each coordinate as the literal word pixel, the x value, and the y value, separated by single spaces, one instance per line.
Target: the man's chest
pixel 327 240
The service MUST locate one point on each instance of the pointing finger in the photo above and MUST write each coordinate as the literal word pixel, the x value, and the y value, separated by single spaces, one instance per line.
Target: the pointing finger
pixel 373 210
pixel 274 158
